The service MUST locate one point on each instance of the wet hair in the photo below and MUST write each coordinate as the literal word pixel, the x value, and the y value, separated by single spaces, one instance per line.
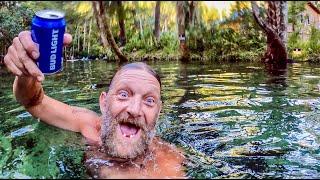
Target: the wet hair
pixel 139 65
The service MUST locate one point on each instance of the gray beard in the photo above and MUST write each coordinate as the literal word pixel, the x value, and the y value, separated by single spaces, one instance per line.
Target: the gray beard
pixel 112 145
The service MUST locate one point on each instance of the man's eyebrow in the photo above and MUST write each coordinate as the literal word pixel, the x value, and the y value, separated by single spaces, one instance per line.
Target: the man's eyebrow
pixel 153 93
pixel 121 87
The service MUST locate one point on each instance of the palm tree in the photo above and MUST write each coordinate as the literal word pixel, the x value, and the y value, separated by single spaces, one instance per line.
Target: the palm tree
pixel 275 28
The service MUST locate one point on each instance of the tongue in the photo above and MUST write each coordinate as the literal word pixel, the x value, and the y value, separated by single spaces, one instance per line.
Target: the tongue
pixel 128 129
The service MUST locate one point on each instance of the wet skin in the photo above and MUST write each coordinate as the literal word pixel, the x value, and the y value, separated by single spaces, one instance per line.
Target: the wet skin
pixel 161 161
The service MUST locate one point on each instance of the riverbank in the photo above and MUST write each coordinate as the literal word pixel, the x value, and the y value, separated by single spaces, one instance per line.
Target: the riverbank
pixel 205 56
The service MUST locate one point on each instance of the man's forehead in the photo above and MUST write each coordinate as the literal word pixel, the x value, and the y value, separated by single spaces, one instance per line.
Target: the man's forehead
pixel 135 74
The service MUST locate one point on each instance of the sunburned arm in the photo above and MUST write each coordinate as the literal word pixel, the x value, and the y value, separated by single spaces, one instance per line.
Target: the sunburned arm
pixel 54 112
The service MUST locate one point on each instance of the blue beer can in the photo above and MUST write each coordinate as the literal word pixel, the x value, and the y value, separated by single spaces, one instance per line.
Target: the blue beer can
pixel 47 29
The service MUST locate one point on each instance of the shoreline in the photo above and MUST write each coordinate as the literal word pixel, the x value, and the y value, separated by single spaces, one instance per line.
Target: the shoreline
pixel 159 56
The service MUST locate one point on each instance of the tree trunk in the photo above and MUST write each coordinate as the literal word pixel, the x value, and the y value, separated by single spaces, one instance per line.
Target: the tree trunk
pixel 141 27
pixel 284 22
pixel 121 17
pixel 134 12
pixel 103 23
pixel 194 14
pixel 181 31
pixel 73 44
pixel 156 31
pixel 186 14
pixel 78 39
pixel 191 13
pixel 84 36
pixel 100 23
pixel 275 29
pixel 89 36
pixel 165 25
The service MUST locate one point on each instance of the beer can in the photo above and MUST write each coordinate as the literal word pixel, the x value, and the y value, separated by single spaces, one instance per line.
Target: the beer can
pixel 47 30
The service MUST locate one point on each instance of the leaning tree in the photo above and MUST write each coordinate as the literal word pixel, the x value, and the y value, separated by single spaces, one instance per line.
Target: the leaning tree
pixel 275 27
pixel 99 10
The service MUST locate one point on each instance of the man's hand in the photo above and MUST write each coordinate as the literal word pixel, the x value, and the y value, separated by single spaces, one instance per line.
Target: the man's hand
pixel 22 54
pixel 20 60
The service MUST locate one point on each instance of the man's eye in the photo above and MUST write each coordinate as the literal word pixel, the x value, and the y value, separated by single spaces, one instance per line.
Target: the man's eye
pixel 150 101
pixel 123 94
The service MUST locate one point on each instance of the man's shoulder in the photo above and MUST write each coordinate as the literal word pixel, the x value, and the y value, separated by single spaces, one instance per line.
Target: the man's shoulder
pixel 167 149
pixel 82 110
pixel 169 158
pixel 89 123
pixel 83 113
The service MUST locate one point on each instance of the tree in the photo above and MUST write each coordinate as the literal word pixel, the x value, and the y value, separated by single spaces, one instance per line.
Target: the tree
pixel 14 17
pixel 182 30
pixel 275 28
pixel 121 17
pixel 103 24
pixel 191 14
pixel 156 31
pixel 100 23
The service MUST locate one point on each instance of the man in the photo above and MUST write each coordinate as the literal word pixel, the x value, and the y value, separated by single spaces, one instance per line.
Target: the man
pixel 121 142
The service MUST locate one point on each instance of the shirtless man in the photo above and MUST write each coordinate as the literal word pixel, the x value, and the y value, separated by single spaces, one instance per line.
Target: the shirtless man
pixel 121 142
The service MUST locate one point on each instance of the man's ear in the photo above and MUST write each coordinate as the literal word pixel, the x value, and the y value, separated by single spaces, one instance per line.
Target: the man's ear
pixel 103 102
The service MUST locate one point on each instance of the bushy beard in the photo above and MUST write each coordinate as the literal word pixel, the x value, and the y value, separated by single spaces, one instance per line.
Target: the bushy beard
pixel 114 146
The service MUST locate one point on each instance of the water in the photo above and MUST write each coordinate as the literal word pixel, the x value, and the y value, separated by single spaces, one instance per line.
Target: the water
pixel 233 120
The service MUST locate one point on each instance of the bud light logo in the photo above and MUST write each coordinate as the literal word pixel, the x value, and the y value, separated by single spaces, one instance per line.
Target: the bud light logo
pixel 54 43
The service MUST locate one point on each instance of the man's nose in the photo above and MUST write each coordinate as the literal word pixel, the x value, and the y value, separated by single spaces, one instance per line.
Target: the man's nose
pixel 134 107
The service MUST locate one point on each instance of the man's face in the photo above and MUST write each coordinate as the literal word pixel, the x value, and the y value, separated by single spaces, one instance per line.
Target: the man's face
pixel 130 110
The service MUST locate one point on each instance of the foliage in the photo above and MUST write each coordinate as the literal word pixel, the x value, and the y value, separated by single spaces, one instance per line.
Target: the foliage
pixel 234 37
pixel 208 15
pixel 15 19
pixel 309 50
pixel 313 45
pixel 294 9
pixel 168 43
pixel 299 49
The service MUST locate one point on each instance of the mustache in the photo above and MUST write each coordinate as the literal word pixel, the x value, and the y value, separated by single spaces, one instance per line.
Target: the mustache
pixel 137 122
pixel 124 118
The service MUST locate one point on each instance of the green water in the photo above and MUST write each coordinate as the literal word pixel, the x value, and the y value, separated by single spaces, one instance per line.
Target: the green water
pixel 232 120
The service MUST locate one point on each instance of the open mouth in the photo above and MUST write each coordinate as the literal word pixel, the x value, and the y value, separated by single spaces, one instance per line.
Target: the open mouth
pixel 129 130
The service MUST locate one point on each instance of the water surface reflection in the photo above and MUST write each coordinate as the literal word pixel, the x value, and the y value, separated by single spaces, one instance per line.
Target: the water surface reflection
pixel 233 120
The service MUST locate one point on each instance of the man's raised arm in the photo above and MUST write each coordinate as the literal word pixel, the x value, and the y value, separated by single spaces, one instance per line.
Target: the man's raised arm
pixel 28 90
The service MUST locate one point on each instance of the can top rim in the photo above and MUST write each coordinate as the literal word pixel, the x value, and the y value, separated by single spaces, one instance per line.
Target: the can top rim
pixel 50 14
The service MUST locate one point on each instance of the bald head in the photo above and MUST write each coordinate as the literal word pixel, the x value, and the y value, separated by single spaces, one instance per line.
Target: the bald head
pixel 137 66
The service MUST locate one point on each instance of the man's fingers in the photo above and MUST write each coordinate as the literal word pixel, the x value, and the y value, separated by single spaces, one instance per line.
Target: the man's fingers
pixel 11 66
pixel 28 44
pixel 28 63
pixel 15 59
pixel 33 69
pixel 67 39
